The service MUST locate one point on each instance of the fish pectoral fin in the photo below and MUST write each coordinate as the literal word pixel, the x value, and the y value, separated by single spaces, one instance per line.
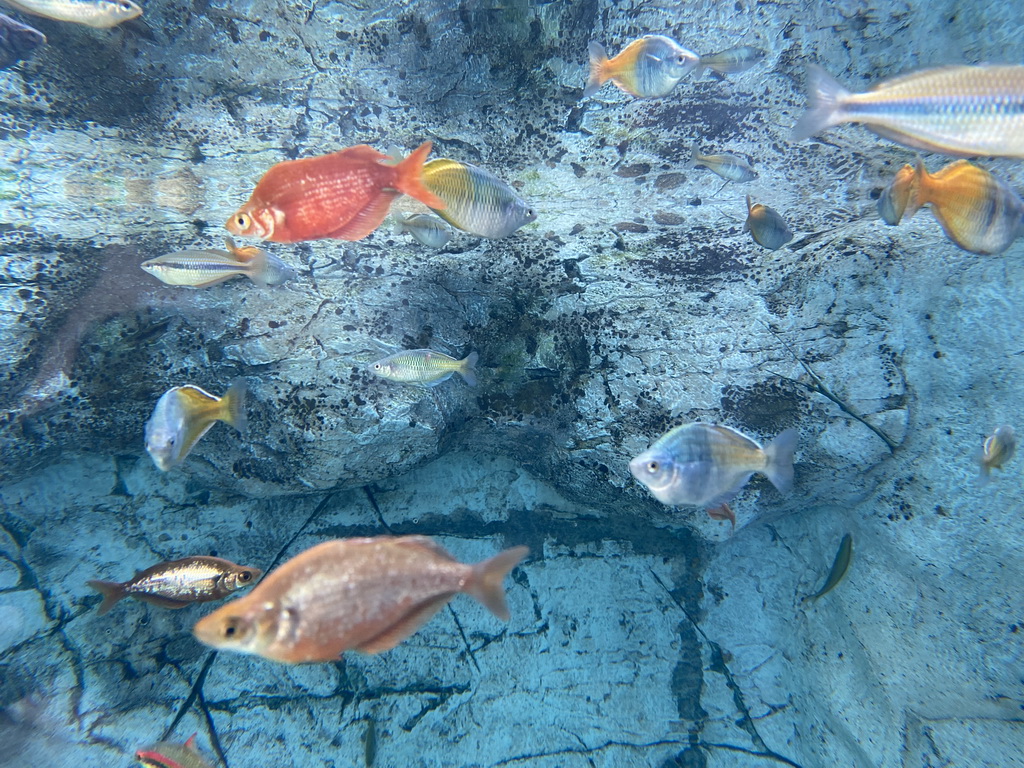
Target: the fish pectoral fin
pixel 367 220
pixel 405 626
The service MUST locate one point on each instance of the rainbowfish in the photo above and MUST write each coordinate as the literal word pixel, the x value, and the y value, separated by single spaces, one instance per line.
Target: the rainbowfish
pixel 705 465
pixel 165 754
pixel 201 269
pixel 839 568
pixel 998 449
pixel 729 167
pixel 893 201
pixel 428 230
pixel 178 583
pixel 476 200
pixel 648 67
pixel 17 40
pixel 92 13
pixel 976 211
pixel 184 414
pixel 731 61
pixel 956 110
pixel 366 595
pixel 766 226
pixel 425 366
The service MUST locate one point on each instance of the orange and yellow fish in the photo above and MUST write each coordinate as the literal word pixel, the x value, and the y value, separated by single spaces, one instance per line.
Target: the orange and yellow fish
pixel 166 754
pixel 344 195
pixel 893 201
pixel 648 67
pixel 184 414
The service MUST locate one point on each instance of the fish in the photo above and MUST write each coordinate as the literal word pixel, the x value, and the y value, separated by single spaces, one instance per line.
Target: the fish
pixel 706 465
pixel 766 226
pixel 729 167
pixel 425 366
pixel 998 449
pixel 17 41
pixel 961 111
pixel 646 68
pixel 166 754
pixel 731 61
pixel 723 512
pixel 201 269
pixel 365 594
pixel 344 195
pixel 184 414
pixel 893 201
pixel 177 583
pixel 426 229
pixel 976 210
pixel 839 568
pixel 476 201
pixel 101 14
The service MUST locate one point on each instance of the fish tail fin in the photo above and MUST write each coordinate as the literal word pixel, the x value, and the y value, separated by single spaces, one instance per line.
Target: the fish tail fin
pixel 485 584
pixel 400 224
pixel 467 368
pixel 698 71
pixel 257 268
pixel 410 177
pixel 112 593
pixel 779 455
pixel 825 102
pixel 233 404
pixel 692 162
pixel 598 76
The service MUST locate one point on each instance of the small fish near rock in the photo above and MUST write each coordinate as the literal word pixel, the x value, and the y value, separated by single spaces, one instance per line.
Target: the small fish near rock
pixel 998 449
pixel 178 583
pixel 425 367
pixel 201 269
pixel 100 14
pixel 426 229
pixel 706 465
pixel 729 167
pixel 344 195
pixel 766 226
pixel 365 594
pixel 646 68
pixel 476 201
pixel 17 41
pixel 895 198
pixel 731 61
pixel 839 567
pixel 184 414
pixel 166 754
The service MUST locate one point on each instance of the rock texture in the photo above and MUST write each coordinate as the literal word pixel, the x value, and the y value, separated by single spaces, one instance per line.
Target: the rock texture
pixel 641 635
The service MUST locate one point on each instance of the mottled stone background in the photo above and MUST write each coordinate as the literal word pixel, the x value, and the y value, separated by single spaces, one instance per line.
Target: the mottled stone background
pixel 641 635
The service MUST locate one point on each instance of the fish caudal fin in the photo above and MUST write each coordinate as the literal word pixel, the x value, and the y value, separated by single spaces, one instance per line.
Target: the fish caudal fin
pixel 256 268
pixel 400 224
pixel 779 455
pixel 233 404
pixel 467 368
pixel 698 71
pixel 486 582
pixel 825 101
pixel 598 60
pixel 112 593
pixel 692 162
pixel 410 178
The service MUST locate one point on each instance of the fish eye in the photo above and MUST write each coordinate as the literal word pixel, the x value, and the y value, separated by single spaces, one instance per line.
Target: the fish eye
pixel 126 6
pixel 242 220
pixel 653 466
pixel 376 366
pixel 244 576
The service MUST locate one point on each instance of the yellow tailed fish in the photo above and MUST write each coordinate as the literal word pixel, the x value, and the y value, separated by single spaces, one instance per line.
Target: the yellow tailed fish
pixel 893 201
pixel 184 414
pixel 201 269
pixel 425 366
pixel 729 167
pixel 648 67
pixel 957 110
pixel 839 567
pixel 477 201
pixel 92 13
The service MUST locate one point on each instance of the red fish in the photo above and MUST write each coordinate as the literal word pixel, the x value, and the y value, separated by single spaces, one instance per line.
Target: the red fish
pixel 344 195
pixel 167 755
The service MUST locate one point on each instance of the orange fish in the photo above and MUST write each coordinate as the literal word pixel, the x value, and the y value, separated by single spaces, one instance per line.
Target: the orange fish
pixel 892 203
pixel 648 67
pixel 362 594
pixel 344 195
pixel 976 210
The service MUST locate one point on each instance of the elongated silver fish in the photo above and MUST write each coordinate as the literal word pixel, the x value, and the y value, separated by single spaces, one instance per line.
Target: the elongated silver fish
pixel 731 61
pixel 839 567
pixel 729 167
pixel 184 414
pixel 959 110
pixel 100 14
pixel 766 226
pixel 428 230
pixel 17 40
pixel 201 269
pixel 477 201
pixel 425 366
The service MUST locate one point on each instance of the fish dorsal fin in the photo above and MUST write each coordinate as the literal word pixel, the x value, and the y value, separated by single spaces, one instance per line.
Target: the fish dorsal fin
pixel 191 742
pixel 405 626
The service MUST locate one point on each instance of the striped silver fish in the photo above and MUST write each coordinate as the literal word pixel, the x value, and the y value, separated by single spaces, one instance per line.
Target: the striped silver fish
pixel 477 201
pixel 961 111
pixel 100 14
pixel 428 230
pixel 425 366
pixel 729 167
pixel 201 269
pixel 731 61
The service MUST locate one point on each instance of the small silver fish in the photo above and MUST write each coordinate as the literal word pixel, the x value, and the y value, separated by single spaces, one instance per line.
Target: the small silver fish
pixel 729 167
pixel 201 269
pixel 998 449
pixel 426 229
pixel 648 67
pixel 705 465
pixel 766 226
pixel 17 41
pixel 425 366
pixel 100 14
pixel 731 61
pixel 839 567
pixel 184 414
pixel 477 201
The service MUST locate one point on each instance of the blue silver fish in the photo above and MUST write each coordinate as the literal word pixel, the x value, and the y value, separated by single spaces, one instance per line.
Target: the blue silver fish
pixel 201 269
pixel 428 230
pixel 184 414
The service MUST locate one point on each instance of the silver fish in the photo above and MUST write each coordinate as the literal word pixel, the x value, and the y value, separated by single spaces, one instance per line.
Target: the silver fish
pixel 998 449
pixel 705 465
pixel 426 229
pixel 477 201
pixel 729 167
pixel 731 61
pixel 17 41
pixel 648 67
pixel 425 366
pixel 201 269
pixel 100 14
pixel 766 226
pixel 184 414
pixel 958 110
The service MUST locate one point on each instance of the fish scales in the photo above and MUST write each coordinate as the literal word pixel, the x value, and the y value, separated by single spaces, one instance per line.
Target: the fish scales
pixel 476 200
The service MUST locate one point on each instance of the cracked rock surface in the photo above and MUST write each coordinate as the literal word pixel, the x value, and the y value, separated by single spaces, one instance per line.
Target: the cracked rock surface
pixel 640 635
